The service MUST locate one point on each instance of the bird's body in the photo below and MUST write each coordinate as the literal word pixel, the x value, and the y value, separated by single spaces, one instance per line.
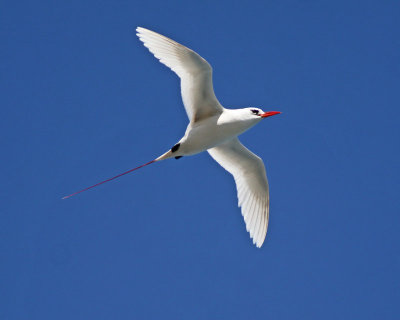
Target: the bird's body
pixel 215 129
pixel 210 132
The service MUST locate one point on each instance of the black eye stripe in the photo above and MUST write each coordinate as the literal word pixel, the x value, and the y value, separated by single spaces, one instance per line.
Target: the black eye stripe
pixel 255 111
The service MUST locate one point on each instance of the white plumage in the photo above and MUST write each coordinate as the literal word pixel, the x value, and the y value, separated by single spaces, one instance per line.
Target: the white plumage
pixel 251 183
pixel 195 73
pixel 215 129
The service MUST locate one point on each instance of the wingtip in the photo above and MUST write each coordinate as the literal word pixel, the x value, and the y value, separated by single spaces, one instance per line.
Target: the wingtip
pixel 258 241
pixel 260 244
pixel 140 30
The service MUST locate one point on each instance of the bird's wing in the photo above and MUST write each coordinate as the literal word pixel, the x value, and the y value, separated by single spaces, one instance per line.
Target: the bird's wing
pixel 251 183
pixel 194 71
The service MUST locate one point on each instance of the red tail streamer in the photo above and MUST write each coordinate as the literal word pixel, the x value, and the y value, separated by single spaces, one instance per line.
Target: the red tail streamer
pixel 117 176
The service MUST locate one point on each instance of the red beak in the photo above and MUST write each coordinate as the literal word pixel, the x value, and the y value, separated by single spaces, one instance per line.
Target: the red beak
pixel 269 113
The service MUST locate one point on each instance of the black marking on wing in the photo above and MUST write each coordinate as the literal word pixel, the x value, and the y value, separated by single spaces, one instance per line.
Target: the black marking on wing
pixel 175 147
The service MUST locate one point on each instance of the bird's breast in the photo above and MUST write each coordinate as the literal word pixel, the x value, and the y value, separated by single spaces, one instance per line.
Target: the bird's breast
pixel 208 134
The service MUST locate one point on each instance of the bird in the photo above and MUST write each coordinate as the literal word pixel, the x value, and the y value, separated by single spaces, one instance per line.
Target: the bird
pixel 214 129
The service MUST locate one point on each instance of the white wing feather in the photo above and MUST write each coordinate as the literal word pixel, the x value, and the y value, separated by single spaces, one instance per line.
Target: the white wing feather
pixel 251 182
pixel 194 71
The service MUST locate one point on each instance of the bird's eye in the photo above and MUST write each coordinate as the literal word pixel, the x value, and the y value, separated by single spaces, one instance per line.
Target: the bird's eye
pixel 255 111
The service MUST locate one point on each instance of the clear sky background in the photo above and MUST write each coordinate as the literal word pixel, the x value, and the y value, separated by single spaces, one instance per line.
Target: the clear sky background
pixel 82 100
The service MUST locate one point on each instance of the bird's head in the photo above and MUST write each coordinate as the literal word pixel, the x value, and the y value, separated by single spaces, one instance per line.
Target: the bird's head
pixel 256 113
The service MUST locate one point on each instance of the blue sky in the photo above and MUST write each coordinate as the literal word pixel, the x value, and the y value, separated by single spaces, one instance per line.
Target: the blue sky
pixel 83 100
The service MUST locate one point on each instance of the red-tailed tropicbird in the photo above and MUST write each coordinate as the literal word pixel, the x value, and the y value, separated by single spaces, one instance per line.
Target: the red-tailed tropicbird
pixel 215 129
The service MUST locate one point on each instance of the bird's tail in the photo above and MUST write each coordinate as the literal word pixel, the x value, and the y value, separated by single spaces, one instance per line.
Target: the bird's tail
pixel 165 156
